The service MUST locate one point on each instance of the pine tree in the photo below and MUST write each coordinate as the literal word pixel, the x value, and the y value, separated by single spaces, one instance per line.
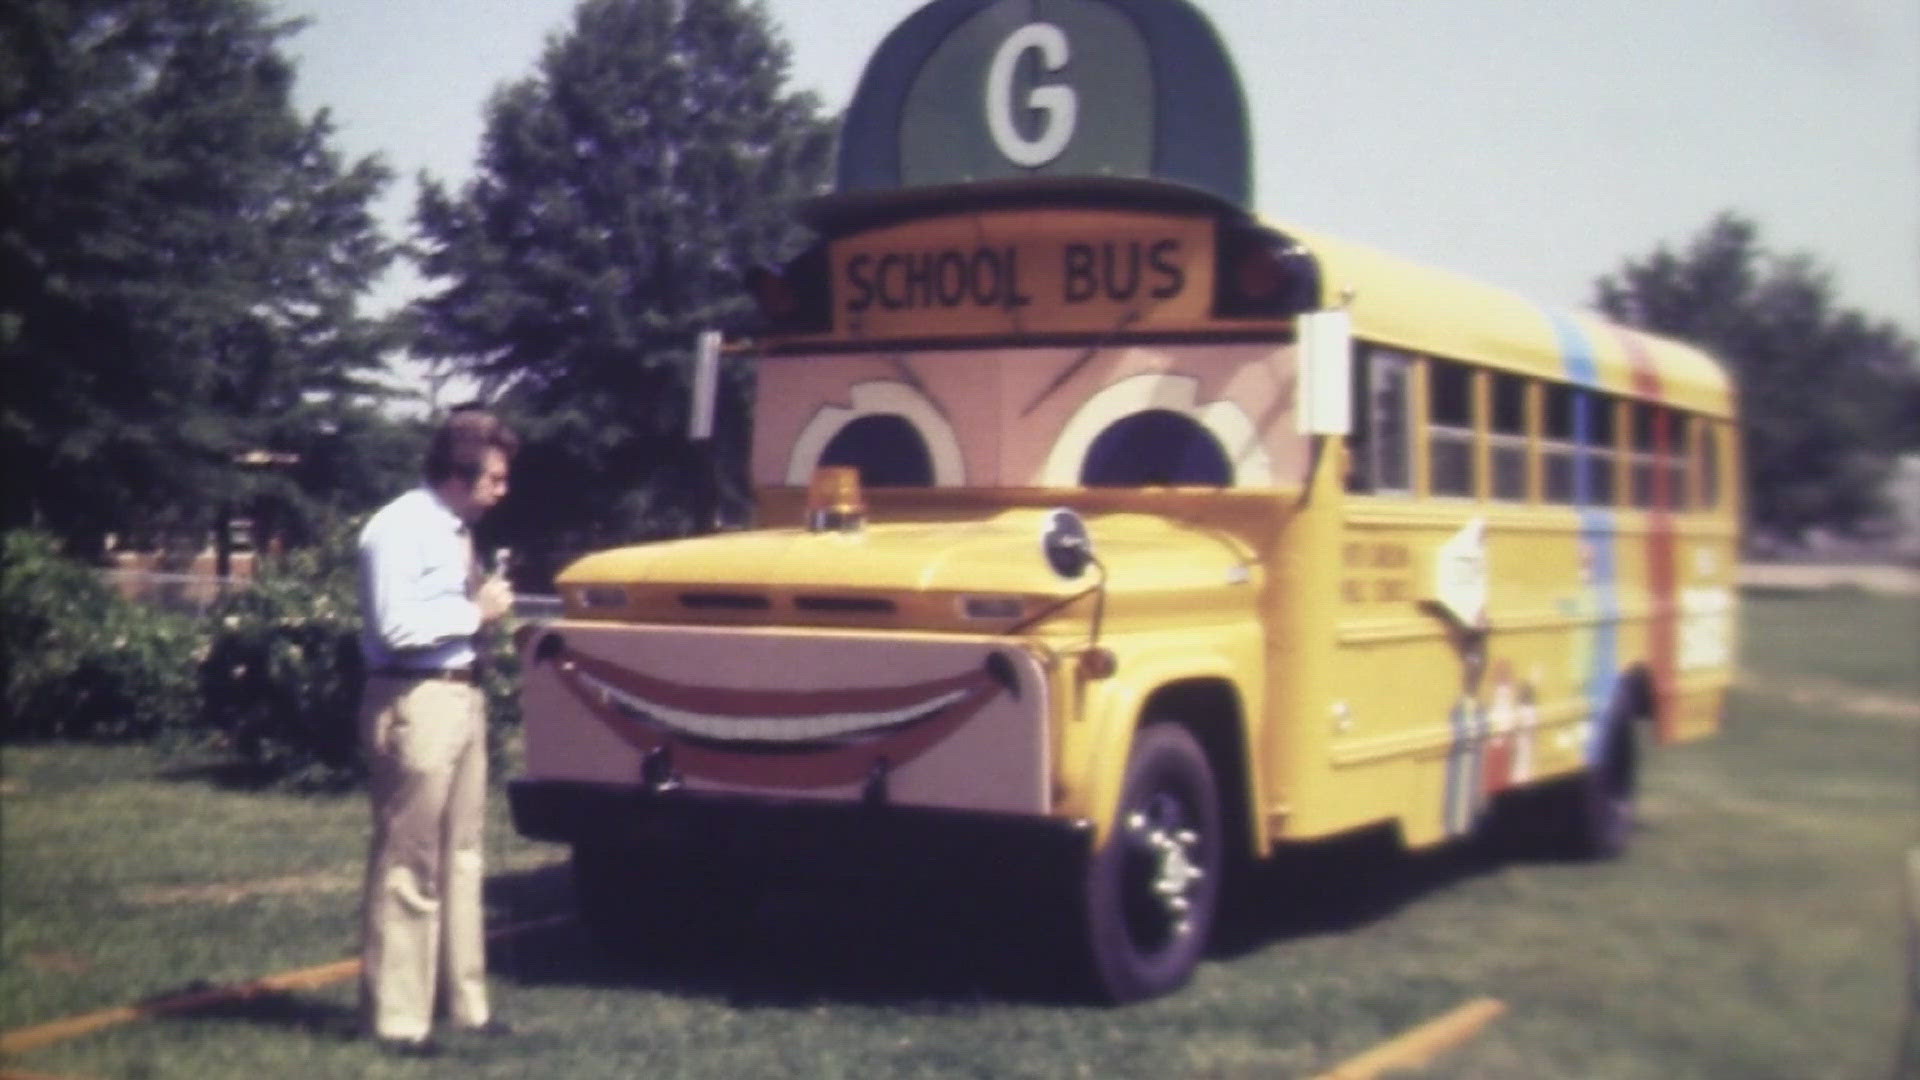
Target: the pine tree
pixel 180 258
pixel 1827 395
pixel 622 192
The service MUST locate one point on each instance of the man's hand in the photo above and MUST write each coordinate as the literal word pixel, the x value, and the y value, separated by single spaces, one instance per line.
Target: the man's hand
pixel 495 598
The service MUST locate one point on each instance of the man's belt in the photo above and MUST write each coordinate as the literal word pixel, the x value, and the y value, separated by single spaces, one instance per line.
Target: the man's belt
pixel 450 674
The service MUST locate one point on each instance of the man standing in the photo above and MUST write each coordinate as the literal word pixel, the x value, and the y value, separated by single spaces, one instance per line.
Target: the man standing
pixel 423 731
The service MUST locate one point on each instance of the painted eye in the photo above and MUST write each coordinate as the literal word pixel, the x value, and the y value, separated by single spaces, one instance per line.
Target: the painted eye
pixel 892 433
pixel 1152 428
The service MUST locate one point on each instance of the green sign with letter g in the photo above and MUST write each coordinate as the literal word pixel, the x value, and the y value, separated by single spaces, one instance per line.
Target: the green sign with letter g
pixel 1005 95
pixel 972 90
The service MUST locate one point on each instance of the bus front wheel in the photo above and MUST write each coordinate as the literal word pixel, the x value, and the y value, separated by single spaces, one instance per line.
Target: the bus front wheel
pixel 1152 889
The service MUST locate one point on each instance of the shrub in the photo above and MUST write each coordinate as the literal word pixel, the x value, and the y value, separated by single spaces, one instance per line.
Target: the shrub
pixel 271 674
pixel 282 676
pixel 81 661
pixel 281 679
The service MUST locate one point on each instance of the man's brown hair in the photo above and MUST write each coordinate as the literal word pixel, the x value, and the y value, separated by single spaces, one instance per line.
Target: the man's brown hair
pixel 460 444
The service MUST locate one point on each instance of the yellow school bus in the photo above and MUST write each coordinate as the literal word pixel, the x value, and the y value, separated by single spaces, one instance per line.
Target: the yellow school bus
pixel 1106 521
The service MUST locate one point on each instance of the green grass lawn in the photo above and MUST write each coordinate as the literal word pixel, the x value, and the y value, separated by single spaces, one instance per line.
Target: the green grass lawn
pixel 1755 929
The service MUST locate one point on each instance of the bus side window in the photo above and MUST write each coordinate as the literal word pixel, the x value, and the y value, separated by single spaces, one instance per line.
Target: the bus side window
pixel 1449 429
pixel 1709 465
pixel 1679 461
pixel 1649 443
pixel 1661 456
pixel 1507 437
pixel 1557 446
pixel 1380 444
pixel 886 448
pixel 1600 454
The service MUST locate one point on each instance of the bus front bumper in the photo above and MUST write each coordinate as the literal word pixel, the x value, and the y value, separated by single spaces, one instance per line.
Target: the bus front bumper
pixel 800 837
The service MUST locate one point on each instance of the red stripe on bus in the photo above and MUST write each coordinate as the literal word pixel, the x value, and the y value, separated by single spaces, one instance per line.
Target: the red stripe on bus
pixel 1663 628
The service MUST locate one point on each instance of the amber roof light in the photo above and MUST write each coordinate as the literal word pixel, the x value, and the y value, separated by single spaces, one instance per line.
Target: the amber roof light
pixel 834 500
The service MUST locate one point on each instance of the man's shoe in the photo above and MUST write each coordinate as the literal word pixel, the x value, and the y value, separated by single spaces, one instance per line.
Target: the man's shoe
pixel 413 1048
pixel 495 1028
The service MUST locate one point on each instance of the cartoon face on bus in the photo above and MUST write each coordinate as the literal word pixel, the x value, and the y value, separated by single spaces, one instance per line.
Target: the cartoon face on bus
pixel 1191 415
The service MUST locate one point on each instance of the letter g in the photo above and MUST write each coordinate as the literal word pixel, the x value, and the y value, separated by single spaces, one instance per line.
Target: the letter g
pixel 1058 104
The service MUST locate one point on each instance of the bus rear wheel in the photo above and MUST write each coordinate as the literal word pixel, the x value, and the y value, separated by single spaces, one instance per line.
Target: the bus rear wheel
pixel 1150 893
pixel 1593 812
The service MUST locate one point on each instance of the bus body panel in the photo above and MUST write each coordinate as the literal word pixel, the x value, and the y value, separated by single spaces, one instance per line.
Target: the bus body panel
pixel 1147 667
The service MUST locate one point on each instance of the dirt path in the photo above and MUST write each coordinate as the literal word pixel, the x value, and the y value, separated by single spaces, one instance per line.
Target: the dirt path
pixel 345 879
pixel 1893 580
pixel 1823 695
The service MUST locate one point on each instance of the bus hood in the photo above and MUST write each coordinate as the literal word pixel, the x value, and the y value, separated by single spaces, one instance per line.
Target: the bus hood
pixel 918 573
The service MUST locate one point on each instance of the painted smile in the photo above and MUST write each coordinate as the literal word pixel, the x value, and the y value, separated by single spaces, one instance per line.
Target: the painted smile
pixel 799 738
pixel 770 730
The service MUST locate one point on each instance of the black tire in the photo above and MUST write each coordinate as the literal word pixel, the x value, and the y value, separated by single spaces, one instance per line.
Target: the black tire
pixel 1592 814
pixel 1150 894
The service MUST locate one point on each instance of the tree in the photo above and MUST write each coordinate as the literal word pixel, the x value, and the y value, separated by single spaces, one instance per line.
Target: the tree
pixel 1827 395
pixel 622 193
pixel 181 254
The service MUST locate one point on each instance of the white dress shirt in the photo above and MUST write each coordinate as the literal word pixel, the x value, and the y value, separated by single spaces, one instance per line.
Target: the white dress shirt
pixel 415 556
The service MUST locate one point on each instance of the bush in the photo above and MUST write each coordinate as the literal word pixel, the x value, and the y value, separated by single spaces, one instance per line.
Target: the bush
pixel 282 676
pixel 271 674
pixel 82 662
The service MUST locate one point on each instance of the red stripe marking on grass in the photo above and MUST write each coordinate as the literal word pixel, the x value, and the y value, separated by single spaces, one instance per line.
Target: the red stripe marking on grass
pixel 1415 1048
pixel 20 1040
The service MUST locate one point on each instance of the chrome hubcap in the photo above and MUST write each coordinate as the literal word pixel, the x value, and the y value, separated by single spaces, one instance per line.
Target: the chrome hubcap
pixel 1158 834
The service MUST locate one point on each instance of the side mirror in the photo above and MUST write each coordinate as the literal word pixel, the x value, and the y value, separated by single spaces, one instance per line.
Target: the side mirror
pixel 1065 544
pixel 706 382
pixel 1323 403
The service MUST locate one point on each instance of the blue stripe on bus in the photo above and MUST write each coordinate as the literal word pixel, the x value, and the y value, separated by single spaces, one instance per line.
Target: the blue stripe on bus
pixel 1596 538
pixel 1603 661
pixel 1465 766
pixel 1576 353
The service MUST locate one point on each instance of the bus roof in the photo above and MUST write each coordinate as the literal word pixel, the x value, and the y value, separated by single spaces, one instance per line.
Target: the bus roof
pixel 1403 304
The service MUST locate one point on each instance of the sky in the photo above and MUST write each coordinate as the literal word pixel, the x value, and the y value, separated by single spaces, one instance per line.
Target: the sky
pixel 1535 144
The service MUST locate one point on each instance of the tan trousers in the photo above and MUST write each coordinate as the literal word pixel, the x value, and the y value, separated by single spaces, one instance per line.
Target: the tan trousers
pixel 421 919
